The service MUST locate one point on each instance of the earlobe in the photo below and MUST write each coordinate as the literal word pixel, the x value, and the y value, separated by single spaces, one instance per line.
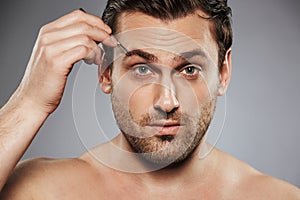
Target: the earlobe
pixel 225 74
pixel 105 80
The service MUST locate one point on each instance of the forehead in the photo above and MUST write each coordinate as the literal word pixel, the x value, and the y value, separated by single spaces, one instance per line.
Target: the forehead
pixel 136 30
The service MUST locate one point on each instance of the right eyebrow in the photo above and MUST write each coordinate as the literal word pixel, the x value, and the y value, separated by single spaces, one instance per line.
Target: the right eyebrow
pixel 143 54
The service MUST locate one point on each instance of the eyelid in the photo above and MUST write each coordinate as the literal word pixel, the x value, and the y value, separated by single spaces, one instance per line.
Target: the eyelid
pixel 136 66
pixel 186 65
pixel 150 66
pixel 179 69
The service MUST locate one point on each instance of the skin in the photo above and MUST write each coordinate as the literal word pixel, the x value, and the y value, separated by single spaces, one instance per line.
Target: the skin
pixel 92 176
pixel 59 45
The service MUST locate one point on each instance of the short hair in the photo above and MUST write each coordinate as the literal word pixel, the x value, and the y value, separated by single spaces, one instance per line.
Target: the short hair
pixel 217 10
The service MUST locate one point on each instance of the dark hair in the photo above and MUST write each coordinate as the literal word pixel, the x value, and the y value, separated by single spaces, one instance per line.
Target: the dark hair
pixel 167 10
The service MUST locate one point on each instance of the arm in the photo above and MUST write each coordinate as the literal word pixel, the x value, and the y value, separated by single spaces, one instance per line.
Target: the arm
pixel 19 122
pixel 59 45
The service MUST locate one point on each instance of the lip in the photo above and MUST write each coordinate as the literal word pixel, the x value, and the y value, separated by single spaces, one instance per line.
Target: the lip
pixel 165 123
pixel 165 128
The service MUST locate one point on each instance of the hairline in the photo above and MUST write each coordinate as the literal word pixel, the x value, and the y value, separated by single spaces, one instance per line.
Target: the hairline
pixel 166 21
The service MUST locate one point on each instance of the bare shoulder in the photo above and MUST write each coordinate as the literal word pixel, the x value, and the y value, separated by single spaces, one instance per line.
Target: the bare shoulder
pixel 36 178
pixel 270 187
pixel 250 183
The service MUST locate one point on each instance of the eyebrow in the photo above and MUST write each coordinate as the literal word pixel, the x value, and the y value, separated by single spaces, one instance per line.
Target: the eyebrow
pixel 152 58
pixel 143 54
pixel 192 53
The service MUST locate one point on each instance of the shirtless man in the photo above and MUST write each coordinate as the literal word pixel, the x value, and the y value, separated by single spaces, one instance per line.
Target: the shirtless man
pixel 175 59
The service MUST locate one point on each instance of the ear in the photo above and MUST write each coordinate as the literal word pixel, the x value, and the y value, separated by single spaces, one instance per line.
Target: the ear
pixel 105 79
pixel 225 74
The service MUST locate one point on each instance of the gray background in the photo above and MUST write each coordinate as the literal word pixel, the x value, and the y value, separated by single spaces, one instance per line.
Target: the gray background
pixel 263 114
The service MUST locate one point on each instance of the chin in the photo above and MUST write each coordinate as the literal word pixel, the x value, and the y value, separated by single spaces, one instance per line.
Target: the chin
pixel 170 153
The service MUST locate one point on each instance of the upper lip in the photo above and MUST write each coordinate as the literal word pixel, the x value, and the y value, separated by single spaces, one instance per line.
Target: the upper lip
pixel 165 123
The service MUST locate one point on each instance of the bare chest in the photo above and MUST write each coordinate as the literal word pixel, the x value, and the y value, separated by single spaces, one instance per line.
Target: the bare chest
pixel 120 190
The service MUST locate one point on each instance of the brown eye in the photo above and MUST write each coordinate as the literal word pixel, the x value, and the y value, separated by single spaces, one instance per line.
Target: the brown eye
pixel 191 71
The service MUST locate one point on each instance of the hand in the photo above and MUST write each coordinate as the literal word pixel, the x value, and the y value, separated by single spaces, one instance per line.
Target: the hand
pixel 59 45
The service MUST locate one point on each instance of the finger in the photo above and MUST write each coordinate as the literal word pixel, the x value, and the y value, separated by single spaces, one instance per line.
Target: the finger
pixel 68 43
pixel 72 30
pixel 75 17
pixel 93 52
pixel 78 53
pixel 94 57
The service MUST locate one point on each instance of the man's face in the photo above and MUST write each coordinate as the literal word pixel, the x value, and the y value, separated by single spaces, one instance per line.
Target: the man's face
pixel 164 90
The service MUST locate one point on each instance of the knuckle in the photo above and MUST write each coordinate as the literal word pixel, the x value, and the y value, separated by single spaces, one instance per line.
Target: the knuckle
pixel 43 29
pixel 84 27
pixel 83 50
pixel 47 53
pixel 77 14
pixel 44 39
pixel 84 39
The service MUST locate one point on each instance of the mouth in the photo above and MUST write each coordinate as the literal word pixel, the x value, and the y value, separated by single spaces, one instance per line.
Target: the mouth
pixel 164 128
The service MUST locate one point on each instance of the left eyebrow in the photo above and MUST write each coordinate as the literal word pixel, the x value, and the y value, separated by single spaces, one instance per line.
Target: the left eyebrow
pixel 191 54
pixel 185 56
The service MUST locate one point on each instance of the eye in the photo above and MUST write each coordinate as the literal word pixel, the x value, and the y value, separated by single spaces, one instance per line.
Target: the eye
pixel 191 71
pixel 142 70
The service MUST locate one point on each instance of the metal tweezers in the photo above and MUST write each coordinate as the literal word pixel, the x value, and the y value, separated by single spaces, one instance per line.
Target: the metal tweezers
pixel 125 51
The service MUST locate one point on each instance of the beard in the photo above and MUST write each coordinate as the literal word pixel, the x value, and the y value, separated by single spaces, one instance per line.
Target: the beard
pixel 163 150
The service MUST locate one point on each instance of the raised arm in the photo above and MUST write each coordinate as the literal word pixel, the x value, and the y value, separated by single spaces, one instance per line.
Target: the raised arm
pixel 59 45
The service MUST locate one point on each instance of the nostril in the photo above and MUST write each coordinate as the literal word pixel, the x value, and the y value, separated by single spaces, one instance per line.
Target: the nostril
pixel 162 113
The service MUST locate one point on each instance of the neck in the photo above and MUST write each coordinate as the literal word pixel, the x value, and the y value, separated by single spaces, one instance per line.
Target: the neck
pixel 197 166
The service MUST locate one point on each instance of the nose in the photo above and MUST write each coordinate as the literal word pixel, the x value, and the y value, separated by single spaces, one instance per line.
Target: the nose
pixel 166 100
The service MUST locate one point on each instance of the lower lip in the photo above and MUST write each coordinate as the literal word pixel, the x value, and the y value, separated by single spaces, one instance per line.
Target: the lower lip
pixel 165 130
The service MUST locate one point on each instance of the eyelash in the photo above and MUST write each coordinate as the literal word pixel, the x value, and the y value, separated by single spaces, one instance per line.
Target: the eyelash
pixel 196 70
pixel 139 67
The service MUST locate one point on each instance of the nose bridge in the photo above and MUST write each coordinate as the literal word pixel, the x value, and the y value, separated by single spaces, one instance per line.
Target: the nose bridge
pixel 166 98
pixel 167 83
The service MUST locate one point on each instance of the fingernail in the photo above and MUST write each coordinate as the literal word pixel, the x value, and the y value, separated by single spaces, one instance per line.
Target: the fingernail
pixel 110 41
pixel 114 40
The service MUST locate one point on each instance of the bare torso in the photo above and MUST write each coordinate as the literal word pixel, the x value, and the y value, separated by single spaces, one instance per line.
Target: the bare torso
pixel 87 178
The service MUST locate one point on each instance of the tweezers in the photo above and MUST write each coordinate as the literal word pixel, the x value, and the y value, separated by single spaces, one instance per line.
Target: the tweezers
pixel 122 47
pixel 125 51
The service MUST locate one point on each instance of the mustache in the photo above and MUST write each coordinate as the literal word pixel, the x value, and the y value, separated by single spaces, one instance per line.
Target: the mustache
pixel 147 118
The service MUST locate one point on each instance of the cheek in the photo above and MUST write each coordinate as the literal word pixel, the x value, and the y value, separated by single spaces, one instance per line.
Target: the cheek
pixel 192 96
pixel 141 101
pixel 203 95
pixel 135 97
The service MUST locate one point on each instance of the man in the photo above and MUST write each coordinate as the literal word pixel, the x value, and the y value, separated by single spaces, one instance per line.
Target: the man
pixel 164 68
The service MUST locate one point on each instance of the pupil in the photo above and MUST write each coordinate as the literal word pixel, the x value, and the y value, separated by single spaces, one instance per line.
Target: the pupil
pixel 143 69
pixel 190 70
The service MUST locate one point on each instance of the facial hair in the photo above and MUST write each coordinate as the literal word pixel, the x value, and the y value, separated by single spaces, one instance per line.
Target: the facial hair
pixel 163 150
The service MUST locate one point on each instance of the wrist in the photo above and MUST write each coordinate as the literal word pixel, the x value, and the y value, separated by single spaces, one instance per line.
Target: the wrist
pixel 25 107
